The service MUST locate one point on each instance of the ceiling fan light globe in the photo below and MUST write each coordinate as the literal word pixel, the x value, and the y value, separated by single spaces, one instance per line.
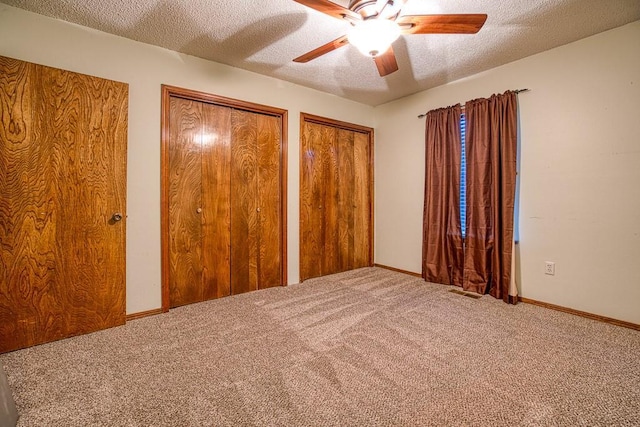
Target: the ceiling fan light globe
pixel 373 37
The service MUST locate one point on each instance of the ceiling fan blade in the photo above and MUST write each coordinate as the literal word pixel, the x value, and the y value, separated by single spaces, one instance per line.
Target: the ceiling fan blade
pixel 326 48
pixel 386 63
pixel 330 8
pixel 441 24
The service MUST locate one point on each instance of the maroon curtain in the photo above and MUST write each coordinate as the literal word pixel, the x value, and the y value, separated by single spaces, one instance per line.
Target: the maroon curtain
pixel 491 129
pixel 441 234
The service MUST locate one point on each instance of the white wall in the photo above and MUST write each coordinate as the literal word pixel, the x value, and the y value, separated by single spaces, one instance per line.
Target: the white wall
pixel 580 171
pixel 46 41
pixel 580 202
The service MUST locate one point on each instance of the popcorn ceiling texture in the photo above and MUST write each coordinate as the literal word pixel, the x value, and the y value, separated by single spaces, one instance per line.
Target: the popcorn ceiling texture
pixel 368 347
pixel 264 37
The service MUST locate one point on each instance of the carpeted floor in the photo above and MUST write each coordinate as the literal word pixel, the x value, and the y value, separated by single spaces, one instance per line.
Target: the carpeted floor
pixel 368 347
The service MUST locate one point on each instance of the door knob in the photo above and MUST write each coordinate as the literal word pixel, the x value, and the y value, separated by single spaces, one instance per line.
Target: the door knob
pixel 117 217
pixel 199 210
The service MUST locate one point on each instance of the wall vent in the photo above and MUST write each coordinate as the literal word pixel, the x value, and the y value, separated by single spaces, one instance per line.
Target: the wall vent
pixel 466 294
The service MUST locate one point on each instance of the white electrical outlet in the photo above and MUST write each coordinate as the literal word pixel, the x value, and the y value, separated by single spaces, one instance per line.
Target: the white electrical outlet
pixel 549 268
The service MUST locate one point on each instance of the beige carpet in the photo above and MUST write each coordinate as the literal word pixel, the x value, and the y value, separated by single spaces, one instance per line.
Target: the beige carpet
pixel 363 348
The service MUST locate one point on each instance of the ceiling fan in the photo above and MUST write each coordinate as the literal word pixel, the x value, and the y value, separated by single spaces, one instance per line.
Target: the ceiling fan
pixel 378 23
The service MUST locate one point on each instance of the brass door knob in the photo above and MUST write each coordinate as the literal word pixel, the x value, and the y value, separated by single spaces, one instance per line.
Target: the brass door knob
pixel 117 217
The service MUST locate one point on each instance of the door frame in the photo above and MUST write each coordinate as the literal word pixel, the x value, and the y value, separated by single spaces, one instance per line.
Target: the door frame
pixel 193 95
pixel 311 118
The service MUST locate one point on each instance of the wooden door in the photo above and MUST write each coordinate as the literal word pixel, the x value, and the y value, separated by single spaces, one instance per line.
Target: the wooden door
pixel 335 197
pixel 269 194
pixel 255 201
pixel 223 184
pixel 216 203
pixel 62 178
pixel 199 203
pixel 362 199
pixel 312 195
pixel 244 203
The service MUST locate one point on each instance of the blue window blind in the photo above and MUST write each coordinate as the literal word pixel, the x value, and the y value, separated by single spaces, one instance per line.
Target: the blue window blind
pixel 463 176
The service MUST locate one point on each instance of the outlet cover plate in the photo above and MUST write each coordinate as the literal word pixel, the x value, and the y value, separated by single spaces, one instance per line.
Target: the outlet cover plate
pixel 550 268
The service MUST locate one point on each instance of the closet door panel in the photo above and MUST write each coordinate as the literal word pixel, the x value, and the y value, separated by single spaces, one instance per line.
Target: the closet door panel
pixel 216 208
pixel 363 205
pixel 185 190
pixel 346 202
pixel 330 203
pixel 311 200
pixel 244 202
pixel 269 244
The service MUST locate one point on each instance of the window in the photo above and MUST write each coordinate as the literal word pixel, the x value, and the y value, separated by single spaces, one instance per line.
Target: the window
pixel 463 183
pixel 463 176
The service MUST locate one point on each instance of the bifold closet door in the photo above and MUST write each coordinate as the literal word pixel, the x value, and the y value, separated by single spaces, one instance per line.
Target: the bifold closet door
pixel 224 201
pixel 362 198
pixel 63 150
pixel 199 203
pixel 255 201
pixel 313 185
pixel 335 200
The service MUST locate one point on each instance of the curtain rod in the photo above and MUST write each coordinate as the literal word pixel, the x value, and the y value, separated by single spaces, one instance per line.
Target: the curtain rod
pixel 517 91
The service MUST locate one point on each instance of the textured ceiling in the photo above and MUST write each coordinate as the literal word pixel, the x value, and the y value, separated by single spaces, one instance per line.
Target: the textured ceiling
pixel 264 37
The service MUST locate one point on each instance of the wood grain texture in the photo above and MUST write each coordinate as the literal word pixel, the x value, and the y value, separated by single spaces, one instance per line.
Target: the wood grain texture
pixel 216 201
pixel 63 141
pixel 329 204
pixel 346 201
pixel 336 208
pixel 283 121
pixel 269 224
pixel 362 201
pixel 442 24
pixel 262 134
pixel 244 202
pixel 322 50
pixel 386 63
pixel 185 197
pixel 311 199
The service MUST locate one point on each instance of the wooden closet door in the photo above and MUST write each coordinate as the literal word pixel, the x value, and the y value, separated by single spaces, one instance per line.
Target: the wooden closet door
pixel 223 207
pixel 346 201
pixel 255 202
pixel 312 198
pixel 330 204
pixel 362 201
pixel 185 202
pixel 216 202
pixel 62 178
pixel 244 202
pixel 199 201
pixel 269 218
pixel 335 199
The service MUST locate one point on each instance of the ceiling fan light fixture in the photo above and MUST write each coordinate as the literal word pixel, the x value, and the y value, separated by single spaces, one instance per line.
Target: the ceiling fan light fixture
pixel 373 37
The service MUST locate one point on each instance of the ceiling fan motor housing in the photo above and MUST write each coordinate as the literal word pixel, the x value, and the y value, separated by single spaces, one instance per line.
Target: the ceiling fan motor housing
pixel 366 8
